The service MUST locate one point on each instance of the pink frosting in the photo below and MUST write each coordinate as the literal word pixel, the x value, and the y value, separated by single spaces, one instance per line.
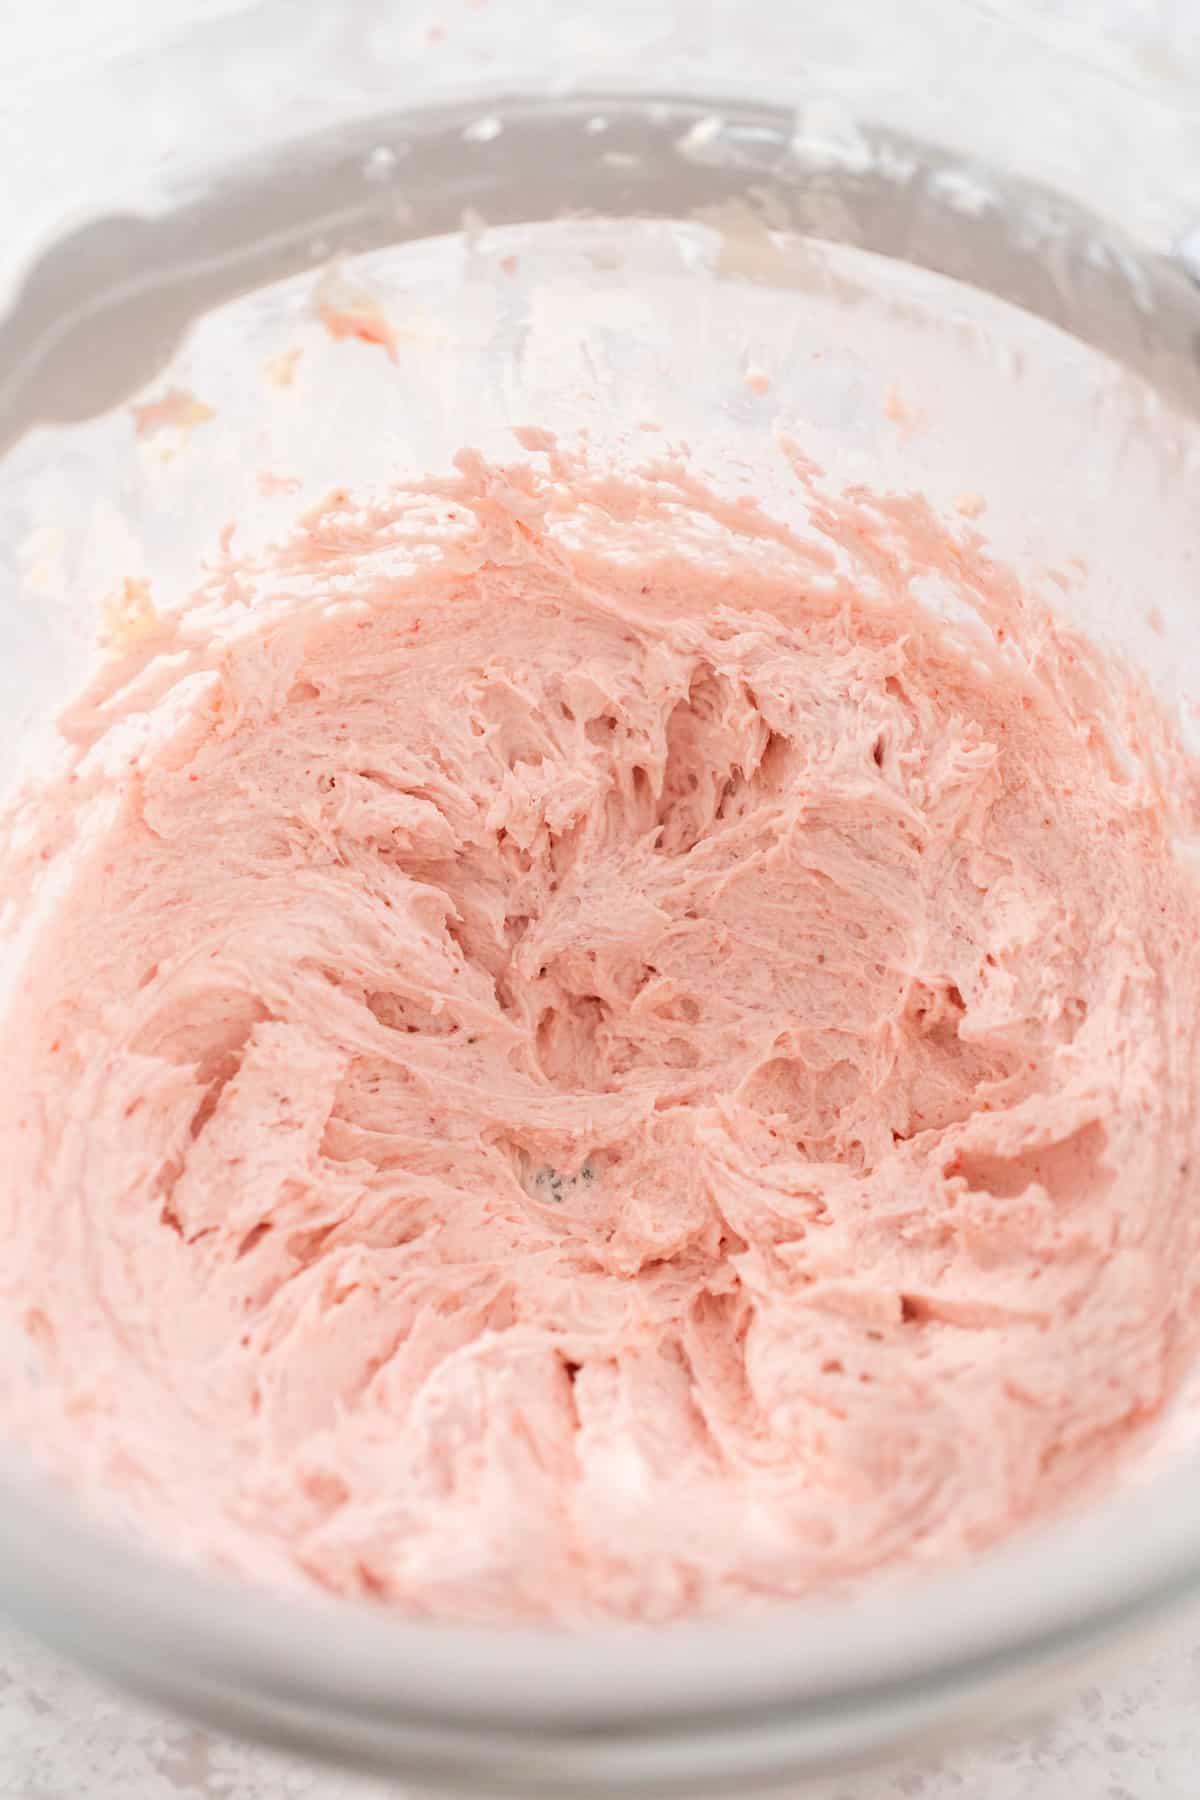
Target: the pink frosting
pixel 583 1051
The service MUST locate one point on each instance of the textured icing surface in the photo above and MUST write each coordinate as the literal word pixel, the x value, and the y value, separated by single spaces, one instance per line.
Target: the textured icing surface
pixel 594 1054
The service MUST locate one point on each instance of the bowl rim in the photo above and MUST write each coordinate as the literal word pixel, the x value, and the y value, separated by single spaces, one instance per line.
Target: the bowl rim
pixel 1069 1586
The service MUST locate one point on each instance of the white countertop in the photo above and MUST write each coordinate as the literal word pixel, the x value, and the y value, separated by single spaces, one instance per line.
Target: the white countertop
pixel 1135 1735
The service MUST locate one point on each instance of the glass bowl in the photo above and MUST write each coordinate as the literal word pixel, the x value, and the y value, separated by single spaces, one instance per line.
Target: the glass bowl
pixel 601 259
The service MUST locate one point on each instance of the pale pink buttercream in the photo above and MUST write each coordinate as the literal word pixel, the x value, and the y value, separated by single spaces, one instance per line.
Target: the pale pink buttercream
pixel 582 1053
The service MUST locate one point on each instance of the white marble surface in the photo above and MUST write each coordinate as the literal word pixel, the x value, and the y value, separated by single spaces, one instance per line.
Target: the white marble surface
pixel 1136 1735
